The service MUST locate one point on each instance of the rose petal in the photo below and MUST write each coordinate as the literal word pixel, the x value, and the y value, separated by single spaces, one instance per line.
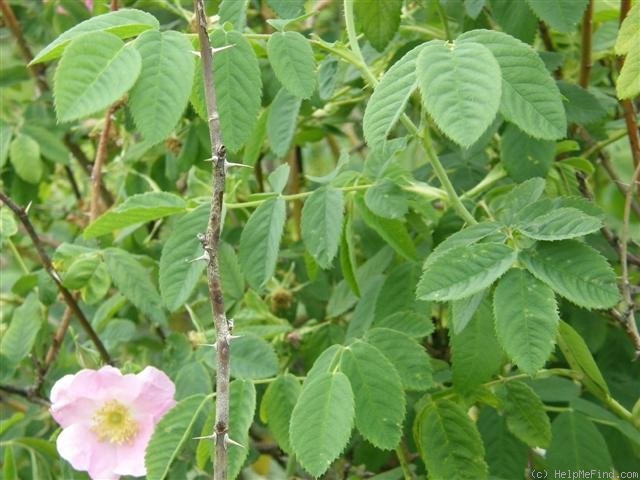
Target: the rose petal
pixel 80 447
pixel 130 457
pixel 156 394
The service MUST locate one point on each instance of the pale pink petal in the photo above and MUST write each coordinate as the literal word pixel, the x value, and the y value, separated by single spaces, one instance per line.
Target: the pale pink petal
pixel 78 411
pixel 156 393
pixel 130 456
pixel 80 447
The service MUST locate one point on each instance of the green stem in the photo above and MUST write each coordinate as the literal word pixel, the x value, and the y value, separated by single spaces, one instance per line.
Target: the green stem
pixel 291 466
pixel 445 20
pixel 16 254
pixel 441 173
pixel 354 45
pixel 295 196
pixel 605 143
pixel 497 173
pixel 401 453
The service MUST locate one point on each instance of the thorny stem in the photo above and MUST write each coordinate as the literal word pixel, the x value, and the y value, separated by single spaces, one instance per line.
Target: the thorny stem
pixel 585 57
pixel 48 266
pixel 54 348
pixel 96 171
pixel 210 245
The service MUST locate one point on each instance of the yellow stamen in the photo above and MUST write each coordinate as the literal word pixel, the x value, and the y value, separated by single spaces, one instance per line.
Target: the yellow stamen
pixel 114 423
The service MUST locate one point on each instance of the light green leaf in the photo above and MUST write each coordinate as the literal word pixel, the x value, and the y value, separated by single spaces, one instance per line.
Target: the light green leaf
pixel 140 208
pixel 24 154
pixel 628 84
pixel 235 12
pixel 519 198
pixel 252 358
pixel 574 270
pixel 561 15
pixel 8 225
pixel 81 270
pixel 260 241
pixel 281 123
pixel 321 421
pixel 476 355
pixel 581 105
pixel 465 270
pixel 387 199
pixel 449 442
pixel 133 281
pixel 238 83
pixel 6 133
pixel 392 231
pixel 398 292
pixel 526 319
pixel 193 378
pixel 577 445
pixel 525 157
pixel 390 97
pixel 629 33
pixel 531 100
pixel 20 336
pixel 526 417
pixel 506 455
pixel 347 255
pixel 379 21
pixel 277 405
pixel 363 314
pixel 177 275
pixel 123 23
pixel 405 353
pixel 322 224
pixel 292 61
pixel 460 87
pixel 599 415
pixel 287 8
pixel 462 238
pixel 279 177
pixel 51 146
pixel 97 285
pixel 232 278
pixel 96 69
pixel 560 224
pixel 242 407
pixel 162 91
pixel 379 398
pixel 170 435
pixel 579 357
pixel 463 310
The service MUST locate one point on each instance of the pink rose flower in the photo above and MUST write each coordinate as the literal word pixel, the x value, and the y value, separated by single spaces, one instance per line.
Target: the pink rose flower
pixel 107 418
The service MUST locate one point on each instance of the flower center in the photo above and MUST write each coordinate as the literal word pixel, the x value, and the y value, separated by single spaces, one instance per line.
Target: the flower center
pixel 114 423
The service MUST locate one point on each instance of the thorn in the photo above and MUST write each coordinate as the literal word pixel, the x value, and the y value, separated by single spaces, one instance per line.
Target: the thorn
pixel 230 323
pixel 229 441
pixel 232 337
pixel 201 237
pixel 55 275
pixel 27 208
pixel 204 256
pixel 196 53
pixel 228 165
pixel 213 117
pixel 220 49
pixel 213 345
pixel 211 159
pixel 207 437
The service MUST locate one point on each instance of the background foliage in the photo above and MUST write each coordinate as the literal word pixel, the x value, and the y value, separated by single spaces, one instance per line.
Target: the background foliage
pixel 432 261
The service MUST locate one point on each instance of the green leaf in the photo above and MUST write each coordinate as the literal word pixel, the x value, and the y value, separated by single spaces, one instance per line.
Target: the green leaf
pixel 505 454
pixel 123 23
pixel 133 281
pixel 387 199
pixel 463 310
pixel 392 231
pixel 363 314
pixel 242 407
pixel 577 445
pixel 321 421
pixel 51 146
pixel 235 12
pixel 140 208
pixel 232 278
pixel 460 86
pixel 574 270
pixel 281 123
pixel 398 292
pixel 462 238
pixel 515 18
pixel 277 405
pixel 405 353
pixel 287 8
pixel 81 270
pixel 279 177
pixel 465 270
pixel 449 442
pixel 347 256
pixel 524 157
pixel 526 319
pixel 238 83
pixel 579 357
pixel 292 61
pixel 24 153
pixel 260 241
pixel 581 105
pixel 178 276
pixel 628 84
pixel 390 98
pixel 629 35
pixel 252 358
pixel 6 133
pixel 170 435
pixel 162 91
pixel 560 224
pixel 193 378
pixel 476 354
pixel 531 100
pixel 526 417
pixel 322 224
pixel 379 21
pixel 96 69
pixel 97 285
pixel 519 199
pixel 599 415
pixel 379 398
pixel 561 15
pixel 20 336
